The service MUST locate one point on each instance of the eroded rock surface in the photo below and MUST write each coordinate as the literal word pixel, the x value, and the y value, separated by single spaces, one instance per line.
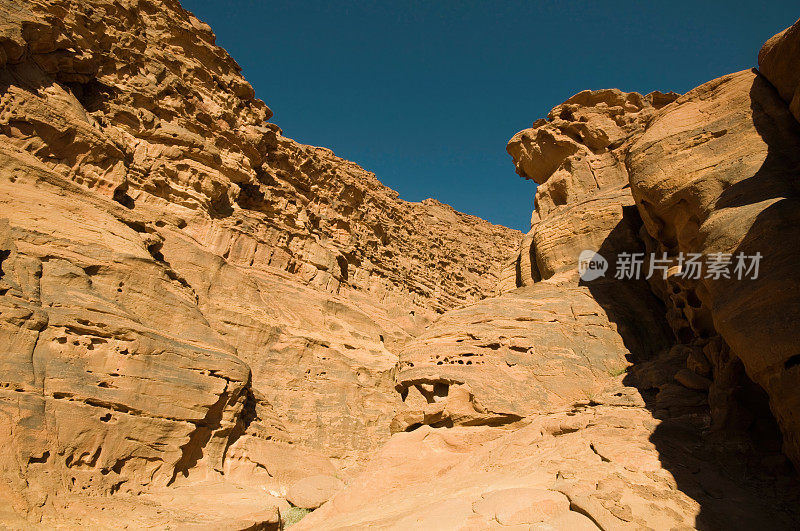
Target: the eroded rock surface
pixel 577 157
pixel 186 293
pixel 716 173
pixel 567 404
pixel 536 349
pixel 586 468
pixel 777 61
pixel 206 324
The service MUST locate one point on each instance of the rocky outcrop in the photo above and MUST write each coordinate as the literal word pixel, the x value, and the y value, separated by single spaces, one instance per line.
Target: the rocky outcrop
pixel 187 295
pixel 205 323
pixel 705 171
pixel 533 350
pixel 576 156
pixel 777 62
pixel 154 113
pixel 714 173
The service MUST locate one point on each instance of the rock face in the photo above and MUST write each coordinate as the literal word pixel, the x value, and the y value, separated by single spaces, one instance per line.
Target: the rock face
pixel 185 293
pixel 777 62
pixel 205 323
pixel 710 172
pixel 577 158
pixel 727 156
pixel 514 419
pixel 532 350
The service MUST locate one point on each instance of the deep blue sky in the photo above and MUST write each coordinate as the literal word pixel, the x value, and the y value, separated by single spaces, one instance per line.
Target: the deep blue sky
pixel 426 94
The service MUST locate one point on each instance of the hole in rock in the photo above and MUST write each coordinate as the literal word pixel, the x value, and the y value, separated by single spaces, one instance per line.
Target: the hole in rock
pixel 155 251
pixel 138 226
pixel 91 270
pixel 342 261
pixel 220 207
pixel 43 459
pixel 685 335
pixel 3 255
pixel 693 300
pixel 440 390
pixel 792 362
pixel 121 196
pixel 118 466
pixel 250 196
pixel 91 94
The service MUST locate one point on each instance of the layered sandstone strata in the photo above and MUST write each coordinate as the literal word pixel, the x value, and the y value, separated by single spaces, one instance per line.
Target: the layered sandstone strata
pixel 533 350
pixel 205 322
pixel 709 172
pixel 186 293
pixel 577 157
pixel 716 173
pixel 512 413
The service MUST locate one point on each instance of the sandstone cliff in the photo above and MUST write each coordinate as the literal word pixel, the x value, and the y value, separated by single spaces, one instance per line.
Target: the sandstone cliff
pixel 516 420
pixel 206 324
pixel 185 292
pixel 725 183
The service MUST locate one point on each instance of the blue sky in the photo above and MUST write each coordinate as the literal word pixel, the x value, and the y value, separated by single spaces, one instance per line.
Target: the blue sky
pixel 426 94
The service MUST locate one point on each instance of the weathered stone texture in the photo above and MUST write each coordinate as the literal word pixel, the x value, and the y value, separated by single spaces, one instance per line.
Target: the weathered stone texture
pixel 206 324
pixel 186 293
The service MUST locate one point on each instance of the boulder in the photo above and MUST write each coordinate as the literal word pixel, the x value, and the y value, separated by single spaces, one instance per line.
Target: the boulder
pixel 313 491
pixel 521 505
pixel 777 61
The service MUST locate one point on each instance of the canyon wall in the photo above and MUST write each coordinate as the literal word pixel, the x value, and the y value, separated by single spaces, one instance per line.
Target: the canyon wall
pixel 717 173
pixel 185 292
pixel 663 402
pixel 712 171
pixel 205 323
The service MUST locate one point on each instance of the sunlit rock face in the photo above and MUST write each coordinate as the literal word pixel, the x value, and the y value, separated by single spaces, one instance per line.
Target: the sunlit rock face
pixel 186 293
pixel 577 156
pixel 205 323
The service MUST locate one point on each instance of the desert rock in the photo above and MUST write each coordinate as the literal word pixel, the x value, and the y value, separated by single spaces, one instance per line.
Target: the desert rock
pixel 312 491
pixel 577 156
pixel 205 324
pixel 536 349
pixel 777 61
pixel 187 295
pixel 721 184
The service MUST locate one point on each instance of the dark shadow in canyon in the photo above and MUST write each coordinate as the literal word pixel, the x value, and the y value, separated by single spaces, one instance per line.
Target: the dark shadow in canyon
pixel 735 472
